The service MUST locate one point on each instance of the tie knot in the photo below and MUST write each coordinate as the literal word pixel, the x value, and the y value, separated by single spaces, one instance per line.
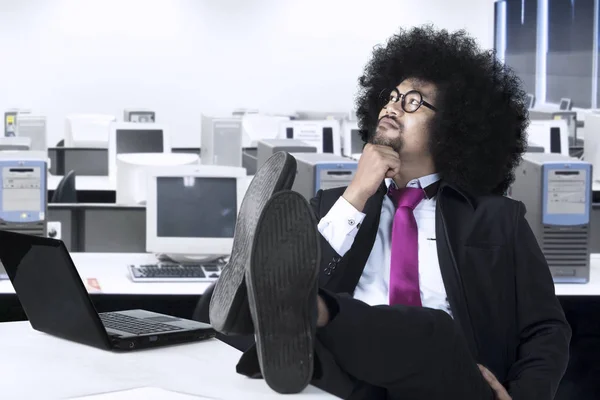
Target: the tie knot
pixel 406 197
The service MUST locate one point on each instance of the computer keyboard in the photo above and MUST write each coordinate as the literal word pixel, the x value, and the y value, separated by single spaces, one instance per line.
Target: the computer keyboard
pixel 173 272
pixel 135 326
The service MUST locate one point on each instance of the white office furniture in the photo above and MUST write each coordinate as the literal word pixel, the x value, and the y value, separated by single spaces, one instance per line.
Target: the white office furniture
pixel 110 272
pixel 191 211
pixel 39 366
pixel 87 130
pixel 133 137
pixel 132 172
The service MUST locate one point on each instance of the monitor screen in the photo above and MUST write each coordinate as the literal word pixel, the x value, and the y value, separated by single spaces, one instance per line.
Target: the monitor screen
pixel 139 141
pixel 564 105
pixel 193 207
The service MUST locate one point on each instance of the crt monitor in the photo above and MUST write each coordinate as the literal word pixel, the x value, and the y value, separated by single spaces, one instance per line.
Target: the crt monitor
pixel 132 168
pixel 191 211
pixel 322 134
pixel 88 130
pixel 530 101
pixel 134 137
pixel 352 142
pixel 565 104
pixel 552 135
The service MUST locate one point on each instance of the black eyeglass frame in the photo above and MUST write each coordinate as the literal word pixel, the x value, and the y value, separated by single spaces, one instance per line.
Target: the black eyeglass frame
pixel 403 97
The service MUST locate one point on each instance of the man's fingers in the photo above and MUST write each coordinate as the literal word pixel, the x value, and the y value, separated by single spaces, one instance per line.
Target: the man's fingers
pixel 497 387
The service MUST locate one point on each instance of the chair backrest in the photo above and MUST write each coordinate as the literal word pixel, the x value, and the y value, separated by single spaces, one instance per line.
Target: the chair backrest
pixel 65 191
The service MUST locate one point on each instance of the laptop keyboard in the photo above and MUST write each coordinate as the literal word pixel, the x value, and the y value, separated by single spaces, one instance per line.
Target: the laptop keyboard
pixel 135 326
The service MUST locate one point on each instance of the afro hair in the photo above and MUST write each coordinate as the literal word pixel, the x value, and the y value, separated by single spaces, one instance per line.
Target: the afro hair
pixel 478 135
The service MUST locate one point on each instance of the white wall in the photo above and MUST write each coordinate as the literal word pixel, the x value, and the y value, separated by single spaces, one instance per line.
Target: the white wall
pixel 186 57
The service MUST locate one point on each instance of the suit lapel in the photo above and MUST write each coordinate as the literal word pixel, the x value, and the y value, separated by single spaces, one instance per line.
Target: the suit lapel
pixel 450 210
pixel 342 274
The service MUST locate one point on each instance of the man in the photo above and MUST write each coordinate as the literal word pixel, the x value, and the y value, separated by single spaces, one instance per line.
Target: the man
pixel 431 283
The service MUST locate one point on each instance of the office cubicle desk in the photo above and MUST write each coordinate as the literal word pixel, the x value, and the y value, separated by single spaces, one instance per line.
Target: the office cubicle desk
pixel 106 277
pixel 90 189
pixel 39 366
pixel 99 228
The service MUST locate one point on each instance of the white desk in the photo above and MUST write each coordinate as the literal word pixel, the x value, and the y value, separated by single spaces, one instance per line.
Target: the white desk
pixel 111 274
pixel 92 183
pixel 38 366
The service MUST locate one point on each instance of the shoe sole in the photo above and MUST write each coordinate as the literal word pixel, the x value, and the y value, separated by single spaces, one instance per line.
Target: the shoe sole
pixel 282 291
pixel 228 309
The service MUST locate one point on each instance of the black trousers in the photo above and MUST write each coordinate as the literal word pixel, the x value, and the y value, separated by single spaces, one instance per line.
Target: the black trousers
pixel 384 352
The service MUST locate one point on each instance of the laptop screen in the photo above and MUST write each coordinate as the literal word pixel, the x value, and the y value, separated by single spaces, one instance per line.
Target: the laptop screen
pixel 50 289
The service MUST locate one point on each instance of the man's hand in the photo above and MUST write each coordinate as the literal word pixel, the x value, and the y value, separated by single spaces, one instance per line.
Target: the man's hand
pixel 376 163
pixel 499 390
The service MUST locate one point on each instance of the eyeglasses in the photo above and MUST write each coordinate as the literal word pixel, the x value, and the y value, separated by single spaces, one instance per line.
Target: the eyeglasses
pixel 411 101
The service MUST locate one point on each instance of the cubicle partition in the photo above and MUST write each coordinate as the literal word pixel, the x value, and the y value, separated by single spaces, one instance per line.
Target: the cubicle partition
pixel 99 228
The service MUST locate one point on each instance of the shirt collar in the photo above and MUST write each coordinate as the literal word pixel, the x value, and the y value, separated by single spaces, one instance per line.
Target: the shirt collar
pixel 429 184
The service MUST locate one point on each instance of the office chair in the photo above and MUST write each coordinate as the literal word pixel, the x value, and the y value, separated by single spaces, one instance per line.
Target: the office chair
pixel 65 191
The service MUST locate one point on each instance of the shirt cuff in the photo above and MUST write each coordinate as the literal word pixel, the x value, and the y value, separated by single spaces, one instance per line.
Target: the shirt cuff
pixel 343 217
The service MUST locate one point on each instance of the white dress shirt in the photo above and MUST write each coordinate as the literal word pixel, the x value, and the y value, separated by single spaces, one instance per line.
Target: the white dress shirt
pixel 341 224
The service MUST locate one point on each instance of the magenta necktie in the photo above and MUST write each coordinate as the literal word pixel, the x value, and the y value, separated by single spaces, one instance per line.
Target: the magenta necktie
pixel 404 266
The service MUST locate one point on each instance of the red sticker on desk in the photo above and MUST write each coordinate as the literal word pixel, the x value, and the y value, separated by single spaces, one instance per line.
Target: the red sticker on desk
pixel 93 283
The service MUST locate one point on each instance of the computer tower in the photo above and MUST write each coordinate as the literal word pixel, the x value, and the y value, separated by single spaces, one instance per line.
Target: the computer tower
pixel 221 141
pixel 23 194
pixel 34 128
pixel 139 115
pixel 321 171
pixel 267 147
pixel 557 191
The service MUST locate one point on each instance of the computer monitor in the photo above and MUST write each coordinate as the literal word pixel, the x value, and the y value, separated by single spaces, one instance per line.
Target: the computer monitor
pixel 139 115
pixel 591 144
pixel 352 142
pixel 133 137
pixel 552 135
pixel 323 134
pixel 33 127
pixel 132 172
pixel 530 101
pixel 257 127
pixel 88 130
pixel 192 210
pixel 15 143
pixel 565 104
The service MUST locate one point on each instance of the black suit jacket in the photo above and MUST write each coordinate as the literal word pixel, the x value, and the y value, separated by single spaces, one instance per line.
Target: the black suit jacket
pixel 497 280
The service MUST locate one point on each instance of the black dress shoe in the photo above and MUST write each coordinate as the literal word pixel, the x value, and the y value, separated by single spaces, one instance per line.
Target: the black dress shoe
pixel 228 310
pixel 282 282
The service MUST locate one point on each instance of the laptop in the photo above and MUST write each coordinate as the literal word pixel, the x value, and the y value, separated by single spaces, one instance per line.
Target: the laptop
pixel 56 302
